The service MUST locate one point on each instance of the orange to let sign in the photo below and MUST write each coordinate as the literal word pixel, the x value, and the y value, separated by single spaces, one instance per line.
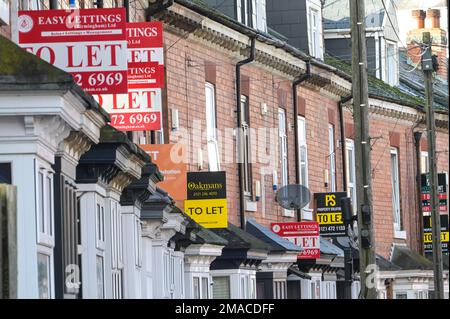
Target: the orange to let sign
pixel 171 161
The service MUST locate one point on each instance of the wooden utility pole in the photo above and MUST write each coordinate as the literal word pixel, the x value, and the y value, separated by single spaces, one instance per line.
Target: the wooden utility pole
pixel 428 69
pixel 367 262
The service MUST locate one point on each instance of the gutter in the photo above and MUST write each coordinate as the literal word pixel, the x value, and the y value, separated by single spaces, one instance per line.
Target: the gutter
pixel 250 59
pixel 297 81
pixel 343 141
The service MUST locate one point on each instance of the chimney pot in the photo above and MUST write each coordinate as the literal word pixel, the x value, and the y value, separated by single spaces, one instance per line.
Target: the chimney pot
pixel 419 16
pixel 433 16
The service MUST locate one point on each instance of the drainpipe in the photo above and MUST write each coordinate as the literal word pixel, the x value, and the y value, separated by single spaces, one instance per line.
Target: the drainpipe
pixel 305 76
pixel 239 126
pixel 417 137
pixel 126 4
pixel 343 143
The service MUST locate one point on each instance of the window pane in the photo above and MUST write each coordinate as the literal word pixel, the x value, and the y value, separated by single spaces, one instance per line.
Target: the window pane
pixel 100 278
pixel 5 173
pixel 43 276
pixel 204 288
pixel 196 288
pixel 221 287
pixel 41 202
pixel 49 212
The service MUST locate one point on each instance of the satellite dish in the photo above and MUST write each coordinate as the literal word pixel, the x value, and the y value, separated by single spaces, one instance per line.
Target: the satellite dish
pixel 293 196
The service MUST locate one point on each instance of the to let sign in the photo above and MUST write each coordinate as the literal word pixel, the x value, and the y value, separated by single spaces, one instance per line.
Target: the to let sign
pixel 428 234
pixel 329 213
pixel 206 199
pixel 303 234
pixel 90 44
pixel 140 108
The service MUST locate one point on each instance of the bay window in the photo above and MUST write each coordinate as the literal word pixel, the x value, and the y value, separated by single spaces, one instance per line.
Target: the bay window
pixel 211 126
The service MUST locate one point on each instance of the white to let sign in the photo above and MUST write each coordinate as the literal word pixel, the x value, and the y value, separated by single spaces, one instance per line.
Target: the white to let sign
pixel 90 44
pixel 303 234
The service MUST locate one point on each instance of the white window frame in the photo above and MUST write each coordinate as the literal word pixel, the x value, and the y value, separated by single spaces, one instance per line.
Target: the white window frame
pixel 314 33
pixel 391 71
pixel 245 150
pixel 100 225
pixel 303 152
pixel 211 127
pixel 351 185
pixel 332 157
pixel 396 204
pixel 424 167
pixel 45 239
pixel 30 4
pixel 283 152
pixel 138 242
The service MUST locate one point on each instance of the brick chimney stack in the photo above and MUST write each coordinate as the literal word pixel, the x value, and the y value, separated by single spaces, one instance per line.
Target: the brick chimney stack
pixel 428 22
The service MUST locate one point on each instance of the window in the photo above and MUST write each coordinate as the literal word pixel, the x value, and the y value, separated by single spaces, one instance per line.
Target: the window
pixel 401 295
pixel 314 25
pixel 252 13
pixel 279 289
pixel 391 63
pixel 253 289
pixel 424 168
pixel 100 226
pixel 213 149
pixel 137 242
pixel 100 278
pixel 205 284
pixel 303 154
pixel 45 236
pixel 245 150
pixel 332 157
pixel 5 173
pixel 44 276
pixel 395 190
pixel 351 175
pixel 30 5
pixel 283 146
pixel 243 295
pixel 196 287
pixel 221 287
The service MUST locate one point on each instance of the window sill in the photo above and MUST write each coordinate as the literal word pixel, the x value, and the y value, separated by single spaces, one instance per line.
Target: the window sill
pixel 400 234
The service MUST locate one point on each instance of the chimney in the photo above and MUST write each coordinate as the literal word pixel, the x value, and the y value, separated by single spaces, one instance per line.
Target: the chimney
pixel 430 22
pixel 419 17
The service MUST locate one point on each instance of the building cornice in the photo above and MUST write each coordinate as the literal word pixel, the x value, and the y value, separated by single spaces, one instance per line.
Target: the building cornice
pixel 188 24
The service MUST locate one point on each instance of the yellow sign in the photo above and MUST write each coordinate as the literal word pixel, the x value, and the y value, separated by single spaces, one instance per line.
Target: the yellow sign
pixel 428 237
pixel 210 213
pixel 329 218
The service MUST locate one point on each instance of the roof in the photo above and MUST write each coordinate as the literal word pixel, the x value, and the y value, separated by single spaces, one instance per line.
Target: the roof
pixel 408 259
pixel 328 248
pixel 240 239
pixel 21 70
pixel 295 271
pixel 336 14
pixel 411 82
pixel 276 242
pixel 381 90
pixel 206 10
pixel 385 264
pixel 202 234
pixel 109 134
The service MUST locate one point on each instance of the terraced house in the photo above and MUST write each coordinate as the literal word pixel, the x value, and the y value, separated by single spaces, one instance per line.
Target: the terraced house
pixel 251 89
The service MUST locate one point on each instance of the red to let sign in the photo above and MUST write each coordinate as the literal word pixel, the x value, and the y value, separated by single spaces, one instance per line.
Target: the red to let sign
pixel 145 55
pixel 90 44
pixel 303 234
